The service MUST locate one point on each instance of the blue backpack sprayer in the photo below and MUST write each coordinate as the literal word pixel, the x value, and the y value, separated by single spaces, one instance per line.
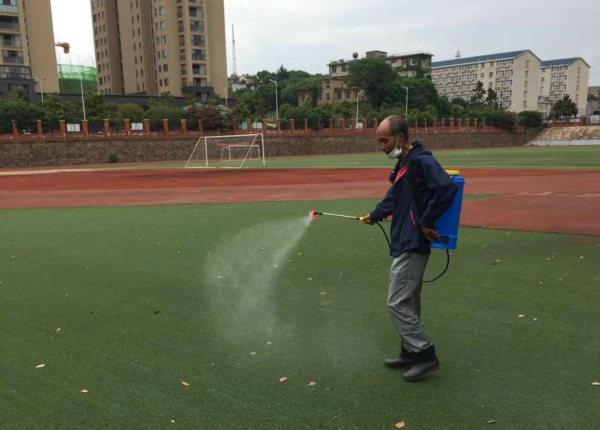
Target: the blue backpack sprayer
pixel 446 225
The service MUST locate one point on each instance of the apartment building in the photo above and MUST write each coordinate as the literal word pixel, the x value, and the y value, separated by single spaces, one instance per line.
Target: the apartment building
pixel 565 76
pixel 335 91
pixel 28 60
pixel 513 75
pixel 154 46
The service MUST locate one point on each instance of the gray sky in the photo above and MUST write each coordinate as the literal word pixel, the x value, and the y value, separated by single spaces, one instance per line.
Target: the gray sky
pixel 307 34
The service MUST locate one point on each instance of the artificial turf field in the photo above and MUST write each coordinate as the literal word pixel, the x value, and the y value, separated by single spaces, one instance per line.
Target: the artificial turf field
pixel 140 312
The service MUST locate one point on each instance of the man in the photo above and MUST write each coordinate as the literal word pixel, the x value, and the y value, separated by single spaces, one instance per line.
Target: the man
pixel 421 192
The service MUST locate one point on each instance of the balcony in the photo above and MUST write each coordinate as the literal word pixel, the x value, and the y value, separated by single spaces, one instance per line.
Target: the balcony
pixel 9 9
pixel 9 25
pixel 12 60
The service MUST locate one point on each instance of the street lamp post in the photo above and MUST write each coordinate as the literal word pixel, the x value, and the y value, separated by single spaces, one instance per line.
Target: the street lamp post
pixel 406 108
pixel 357 100
pixel 82 98
pixel 41 82
pixel 276 99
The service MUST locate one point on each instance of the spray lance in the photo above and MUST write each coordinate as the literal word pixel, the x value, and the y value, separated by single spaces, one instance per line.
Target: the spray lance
pixel 446 225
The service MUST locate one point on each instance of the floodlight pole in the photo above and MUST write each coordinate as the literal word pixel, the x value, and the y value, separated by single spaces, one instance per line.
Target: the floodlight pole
pixel 276 99
pixel 406 109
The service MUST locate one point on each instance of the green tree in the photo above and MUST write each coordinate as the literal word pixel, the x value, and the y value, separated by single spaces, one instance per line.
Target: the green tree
pixel 476 101
pixel 164 99
pixel 157 113
pixel 375 77
pixel 564 108
pixel 98 109
pixel 25 115
pixel 56 109
pixel 531 119
pixel 491 100
pixel 129 111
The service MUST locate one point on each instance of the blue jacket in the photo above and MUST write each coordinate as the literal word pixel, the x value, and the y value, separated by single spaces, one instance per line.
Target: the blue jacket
pixel 437 191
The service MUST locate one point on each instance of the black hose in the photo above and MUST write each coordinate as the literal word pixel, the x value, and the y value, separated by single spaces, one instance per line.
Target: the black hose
pixel 425 282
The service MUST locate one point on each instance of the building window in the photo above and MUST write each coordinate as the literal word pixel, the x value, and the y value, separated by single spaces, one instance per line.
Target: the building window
pixel 527 64
pixel 333 69
pixel 525 103
pixel 491 74
pixel 164 53
pixel 526 84
pixel 165 68
pixel 162 25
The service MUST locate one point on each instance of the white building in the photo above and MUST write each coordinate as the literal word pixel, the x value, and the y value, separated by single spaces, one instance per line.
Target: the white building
pixel 566 76
pixel 513 75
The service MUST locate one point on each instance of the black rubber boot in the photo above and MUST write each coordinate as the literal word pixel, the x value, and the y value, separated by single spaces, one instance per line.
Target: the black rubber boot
pixel 425 362
pixel 405 359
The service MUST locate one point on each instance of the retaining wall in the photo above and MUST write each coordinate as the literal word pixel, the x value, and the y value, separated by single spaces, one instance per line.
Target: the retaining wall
pixel 29 154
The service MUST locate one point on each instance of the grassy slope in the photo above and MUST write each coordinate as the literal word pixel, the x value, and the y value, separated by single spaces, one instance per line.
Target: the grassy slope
pixel 124 264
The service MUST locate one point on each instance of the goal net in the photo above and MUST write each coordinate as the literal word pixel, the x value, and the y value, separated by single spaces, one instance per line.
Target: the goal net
pixel 245 150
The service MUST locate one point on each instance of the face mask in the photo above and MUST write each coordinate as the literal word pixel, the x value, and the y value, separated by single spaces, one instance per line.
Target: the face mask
pixel 395 153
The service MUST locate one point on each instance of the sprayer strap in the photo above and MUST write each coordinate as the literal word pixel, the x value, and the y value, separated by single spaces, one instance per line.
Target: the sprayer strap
pixel 413 181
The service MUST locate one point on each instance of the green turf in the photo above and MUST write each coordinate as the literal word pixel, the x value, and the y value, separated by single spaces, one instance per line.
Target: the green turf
pixel 573 157
pixel 101 274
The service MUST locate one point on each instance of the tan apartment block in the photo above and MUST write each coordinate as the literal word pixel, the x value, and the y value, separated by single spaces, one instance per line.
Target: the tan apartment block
pixel 513 75
pixel 334 90
pixel 565 76
pixel 161 45
pixel 28 60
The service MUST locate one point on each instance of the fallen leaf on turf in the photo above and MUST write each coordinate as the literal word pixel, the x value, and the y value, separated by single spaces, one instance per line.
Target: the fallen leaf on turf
pixel 268 343
pixel 283 379
pixel 521 316
pixel 172 421
pixel 84 391
pixel 312 384
pixel 185 384
pixel 309 279
pixel 39 366
pixel 323 294
pixel 400 425
pixel 596 383
pixel 57 329
pixel 492 422
pixel 253 353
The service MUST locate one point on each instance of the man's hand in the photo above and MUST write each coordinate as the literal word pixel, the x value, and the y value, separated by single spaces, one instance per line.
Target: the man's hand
pixel 430 234
pixel 366 219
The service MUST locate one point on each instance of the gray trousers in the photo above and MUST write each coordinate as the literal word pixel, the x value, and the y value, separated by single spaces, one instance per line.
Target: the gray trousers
pixel 404 300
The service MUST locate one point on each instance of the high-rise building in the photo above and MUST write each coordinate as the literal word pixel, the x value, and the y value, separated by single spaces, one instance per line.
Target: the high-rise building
pixel 28 60
pixel 155 46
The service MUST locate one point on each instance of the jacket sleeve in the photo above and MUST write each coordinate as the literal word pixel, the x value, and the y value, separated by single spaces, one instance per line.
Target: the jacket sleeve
pixel 442 187
pixel 385 207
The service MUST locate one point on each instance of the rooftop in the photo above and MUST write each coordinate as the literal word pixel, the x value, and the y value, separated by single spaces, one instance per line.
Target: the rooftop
pixel 478 59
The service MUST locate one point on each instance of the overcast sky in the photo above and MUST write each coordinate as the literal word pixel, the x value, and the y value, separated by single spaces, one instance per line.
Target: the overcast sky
pixel 307 34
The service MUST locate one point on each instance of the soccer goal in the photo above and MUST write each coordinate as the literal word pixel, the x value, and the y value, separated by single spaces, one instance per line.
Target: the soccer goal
pixel 244 150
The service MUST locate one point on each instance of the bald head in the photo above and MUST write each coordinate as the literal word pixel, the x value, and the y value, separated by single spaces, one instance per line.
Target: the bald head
pixel 393 133
pixel 394 125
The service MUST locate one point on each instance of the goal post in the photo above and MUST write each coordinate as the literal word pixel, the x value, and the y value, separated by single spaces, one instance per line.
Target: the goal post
pixel 239 151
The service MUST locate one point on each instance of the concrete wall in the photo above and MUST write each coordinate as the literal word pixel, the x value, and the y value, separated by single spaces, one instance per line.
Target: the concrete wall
pixel 25 154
